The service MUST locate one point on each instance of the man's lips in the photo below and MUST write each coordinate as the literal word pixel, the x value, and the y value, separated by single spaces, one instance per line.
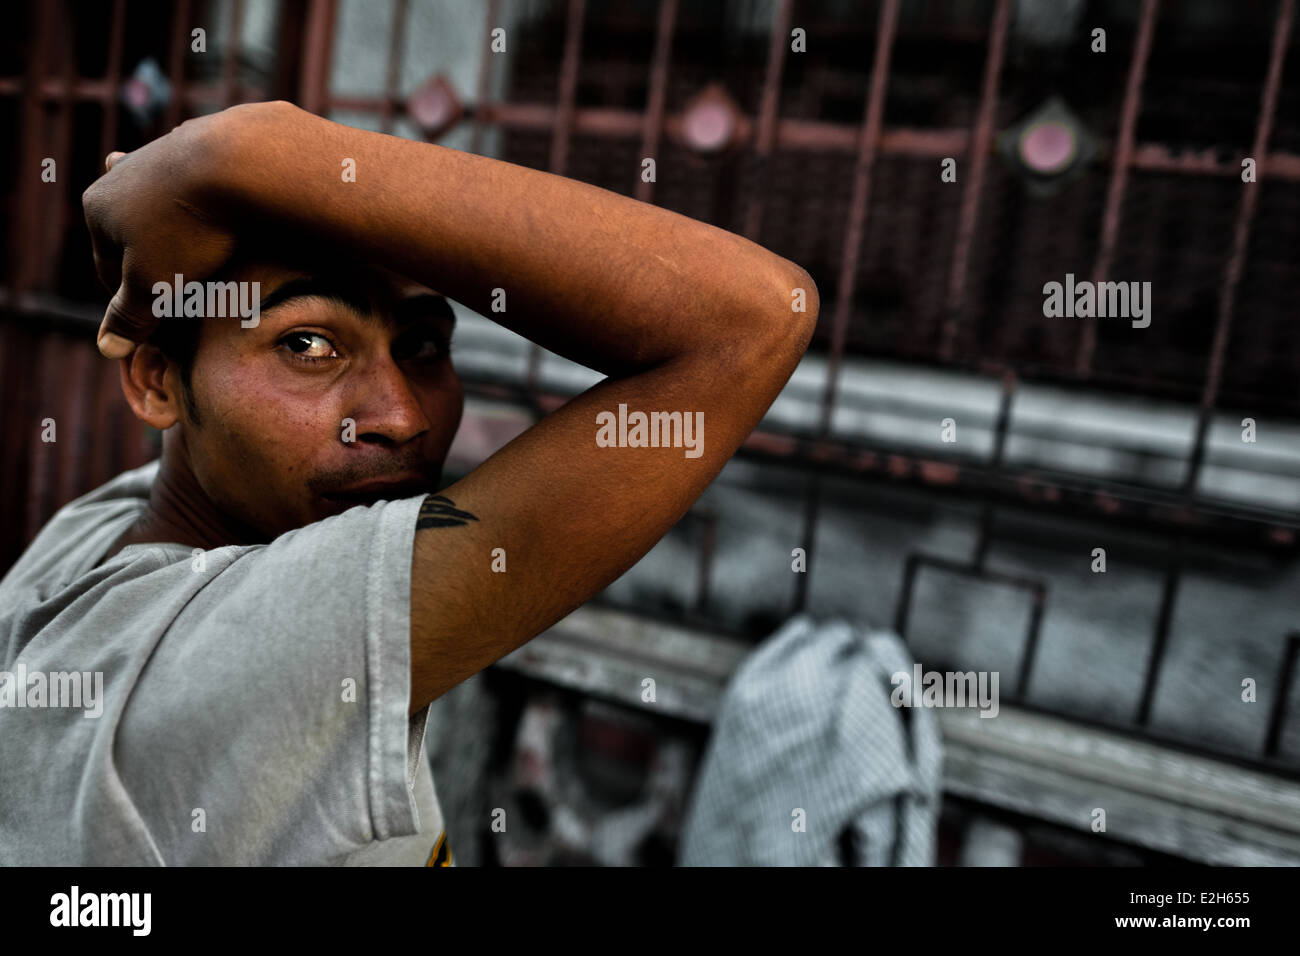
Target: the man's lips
pixel 406 486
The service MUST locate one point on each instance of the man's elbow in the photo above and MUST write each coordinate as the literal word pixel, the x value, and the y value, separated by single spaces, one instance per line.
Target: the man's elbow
pixel 805 291
pixel 796 305
pixel 767 328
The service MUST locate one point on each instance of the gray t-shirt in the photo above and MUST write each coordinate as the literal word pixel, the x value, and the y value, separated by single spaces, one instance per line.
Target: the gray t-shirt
pixel 254 699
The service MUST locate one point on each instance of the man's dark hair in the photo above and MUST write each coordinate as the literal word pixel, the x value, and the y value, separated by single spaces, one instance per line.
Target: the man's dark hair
pixel 178 339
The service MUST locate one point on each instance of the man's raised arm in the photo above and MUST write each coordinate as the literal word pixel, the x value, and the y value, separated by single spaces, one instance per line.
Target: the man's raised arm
pixel 615 284
pixel 694 326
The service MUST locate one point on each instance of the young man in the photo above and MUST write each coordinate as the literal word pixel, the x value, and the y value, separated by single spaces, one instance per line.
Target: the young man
pixel 273 605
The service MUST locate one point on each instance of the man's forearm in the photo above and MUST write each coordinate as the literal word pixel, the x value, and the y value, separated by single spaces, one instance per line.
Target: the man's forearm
pixel 616 284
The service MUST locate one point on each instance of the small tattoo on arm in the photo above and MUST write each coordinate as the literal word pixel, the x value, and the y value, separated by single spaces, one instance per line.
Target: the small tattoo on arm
pixel 439 511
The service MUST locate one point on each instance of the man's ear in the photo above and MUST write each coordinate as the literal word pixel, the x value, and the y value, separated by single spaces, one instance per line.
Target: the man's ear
pixel 152 386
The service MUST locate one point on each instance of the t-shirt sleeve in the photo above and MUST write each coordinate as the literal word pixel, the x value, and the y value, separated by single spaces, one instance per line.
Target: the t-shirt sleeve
pixel 270 724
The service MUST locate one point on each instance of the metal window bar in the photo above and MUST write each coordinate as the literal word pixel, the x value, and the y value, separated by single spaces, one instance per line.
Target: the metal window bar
pixel 868 145
pixel 394 75
pixel 980 141
pixel 1119 171
pixel 1286 672
pixel 1240 239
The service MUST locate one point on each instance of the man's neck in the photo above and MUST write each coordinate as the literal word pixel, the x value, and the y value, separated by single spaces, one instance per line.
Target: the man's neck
pixel 180 512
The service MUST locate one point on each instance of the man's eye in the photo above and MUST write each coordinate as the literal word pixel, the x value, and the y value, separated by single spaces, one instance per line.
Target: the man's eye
pixel 309 345
pixel 421 346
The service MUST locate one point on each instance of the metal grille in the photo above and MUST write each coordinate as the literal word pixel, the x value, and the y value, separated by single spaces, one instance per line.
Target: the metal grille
pixel 954 278
pixel 833 165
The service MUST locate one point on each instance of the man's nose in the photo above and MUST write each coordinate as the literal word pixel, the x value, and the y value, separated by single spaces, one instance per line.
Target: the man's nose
pixel 385 407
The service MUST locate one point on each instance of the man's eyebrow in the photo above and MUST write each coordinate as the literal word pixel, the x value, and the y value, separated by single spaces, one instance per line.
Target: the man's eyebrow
pixel 346 295
pixel 425 305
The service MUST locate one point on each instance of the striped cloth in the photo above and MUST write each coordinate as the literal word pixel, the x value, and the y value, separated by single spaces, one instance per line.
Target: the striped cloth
pixel 809 763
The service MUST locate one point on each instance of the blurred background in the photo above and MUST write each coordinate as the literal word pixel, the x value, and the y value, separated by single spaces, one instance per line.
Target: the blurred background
pixel 1162 689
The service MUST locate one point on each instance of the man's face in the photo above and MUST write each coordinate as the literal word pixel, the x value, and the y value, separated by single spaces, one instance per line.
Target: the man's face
pixel 275 448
